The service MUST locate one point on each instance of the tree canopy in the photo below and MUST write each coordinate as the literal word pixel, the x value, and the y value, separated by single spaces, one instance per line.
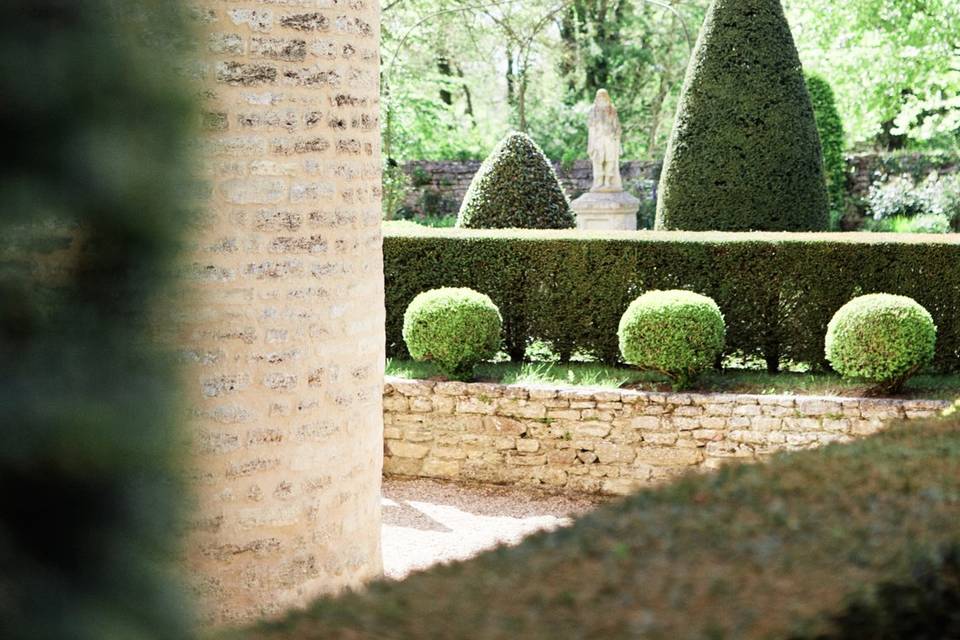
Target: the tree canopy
pixel 459 74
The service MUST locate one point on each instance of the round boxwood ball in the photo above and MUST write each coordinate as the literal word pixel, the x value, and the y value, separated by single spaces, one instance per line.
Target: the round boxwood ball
pixel 881 338
pixel 454 328
pixel 678 333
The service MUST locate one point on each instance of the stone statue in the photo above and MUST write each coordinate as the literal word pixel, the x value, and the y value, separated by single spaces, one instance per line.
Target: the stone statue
pixel 603 144
pixel 606 206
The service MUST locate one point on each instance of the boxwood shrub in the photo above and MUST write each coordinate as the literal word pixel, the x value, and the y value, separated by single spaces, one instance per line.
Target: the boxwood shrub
pixel 454 328
pixel 846 542
pixel 678 333
pixel 777 291
pixel 881 338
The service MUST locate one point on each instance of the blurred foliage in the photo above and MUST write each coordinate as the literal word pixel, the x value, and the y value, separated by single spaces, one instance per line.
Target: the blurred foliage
pixel 847 542
pixel 91 184
pixel 459 74
pixel 396 186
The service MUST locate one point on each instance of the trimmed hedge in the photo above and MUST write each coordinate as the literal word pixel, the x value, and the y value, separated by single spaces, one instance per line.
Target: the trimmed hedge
pixel 848 542
pixel 516 187
pixel 777 292
pixel 744 153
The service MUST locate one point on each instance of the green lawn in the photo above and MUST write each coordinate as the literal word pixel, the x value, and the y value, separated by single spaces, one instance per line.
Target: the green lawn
pixel 726 381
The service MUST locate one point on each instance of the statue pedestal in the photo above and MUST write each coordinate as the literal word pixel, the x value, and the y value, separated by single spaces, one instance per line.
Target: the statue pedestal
pixel 606 210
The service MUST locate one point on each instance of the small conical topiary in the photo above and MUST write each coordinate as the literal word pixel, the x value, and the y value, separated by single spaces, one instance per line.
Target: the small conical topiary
pixel 830 128
pixel 516 188
pixel 744 153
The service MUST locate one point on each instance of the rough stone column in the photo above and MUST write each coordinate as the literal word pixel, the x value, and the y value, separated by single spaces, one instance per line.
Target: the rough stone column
pixel 285 324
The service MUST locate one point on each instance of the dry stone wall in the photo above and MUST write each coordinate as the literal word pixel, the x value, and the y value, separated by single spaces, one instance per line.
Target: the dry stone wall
pixel 607 441
pixel 283 324
pixel 439 187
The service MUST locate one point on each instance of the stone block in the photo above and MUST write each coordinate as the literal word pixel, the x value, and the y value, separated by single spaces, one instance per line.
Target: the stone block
pixel 614 454
pixel 668 456
pixel 591 429
pixel 498 425
pixel 476 405
pixel 402 449
pixel 525 445
pixel 433 468
pixel 620 486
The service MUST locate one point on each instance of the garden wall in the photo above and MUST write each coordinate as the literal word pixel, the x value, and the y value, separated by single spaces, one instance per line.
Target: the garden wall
pixel 439 186
pixel 606 441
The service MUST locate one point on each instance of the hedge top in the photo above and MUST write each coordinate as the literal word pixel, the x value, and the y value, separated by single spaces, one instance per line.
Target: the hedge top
pixel 406 229
pixel 778 550
pixel 744 153
pixel 516 187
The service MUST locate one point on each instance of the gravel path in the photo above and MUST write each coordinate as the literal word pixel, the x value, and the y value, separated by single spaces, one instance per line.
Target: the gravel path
pixel 426 522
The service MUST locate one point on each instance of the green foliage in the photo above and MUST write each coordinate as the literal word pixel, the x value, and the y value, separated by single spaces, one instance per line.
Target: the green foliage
pixel 94 131
pixel 893 65
pixel 924 223
pixel 455 328
pixel 900 203
pixel 814 544
pixel 744 154
pixel 777 292
pixel 678 333
pixel 516 188
pixel 881 338
pixel 830 129
pixel 396 186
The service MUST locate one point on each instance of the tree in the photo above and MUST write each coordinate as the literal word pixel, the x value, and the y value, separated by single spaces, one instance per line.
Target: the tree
pixel 744 153
pixel 830 128
pixel 91 181
pixel 894 65
pixel 516 188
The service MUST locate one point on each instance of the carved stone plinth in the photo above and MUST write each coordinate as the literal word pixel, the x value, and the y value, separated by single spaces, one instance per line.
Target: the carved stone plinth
pixel 606 210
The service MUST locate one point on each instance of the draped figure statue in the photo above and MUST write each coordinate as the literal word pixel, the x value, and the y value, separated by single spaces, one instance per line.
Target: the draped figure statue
pixel 603 144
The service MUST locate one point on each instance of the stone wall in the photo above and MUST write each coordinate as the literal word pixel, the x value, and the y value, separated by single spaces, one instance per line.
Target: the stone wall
pixel 283 323
pixel 606 441
pixel 441 186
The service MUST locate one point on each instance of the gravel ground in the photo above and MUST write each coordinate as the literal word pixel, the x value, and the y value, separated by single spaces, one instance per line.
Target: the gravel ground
pixel 426 522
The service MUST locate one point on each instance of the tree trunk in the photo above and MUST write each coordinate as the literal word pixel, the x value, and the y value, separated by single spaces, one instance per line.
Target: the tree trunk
pixel 445 69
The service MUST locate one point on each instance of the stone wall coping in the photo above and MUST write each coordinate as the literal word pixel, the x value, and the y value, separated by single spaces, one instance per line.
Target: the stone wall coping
pixel 413 387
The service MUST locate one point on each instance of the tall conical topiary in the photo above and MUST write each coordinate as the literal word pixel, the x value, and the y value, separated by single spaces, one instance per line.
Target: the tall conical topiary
pixel 516 188
pixel 830 128
pixel 744 153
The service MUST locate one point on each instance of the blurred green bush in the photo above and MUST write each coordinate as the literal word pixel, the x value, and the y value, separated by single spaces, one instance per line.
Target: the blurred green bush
pixel 847 542
pixel 92 181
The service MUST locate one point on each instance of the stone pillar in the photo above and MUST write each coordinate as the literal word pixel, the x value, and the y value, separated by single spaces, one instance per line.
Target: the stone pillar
pixel 285 322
